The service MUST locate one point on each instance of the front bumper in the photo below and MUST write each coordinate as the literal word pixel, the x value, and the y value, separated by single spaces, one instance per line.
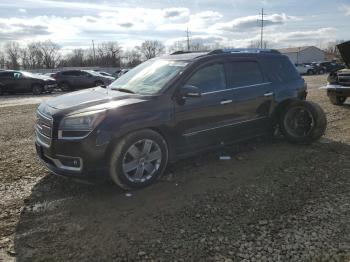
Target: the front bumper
pixel 339 90
pixel 73 158
pixel 50 87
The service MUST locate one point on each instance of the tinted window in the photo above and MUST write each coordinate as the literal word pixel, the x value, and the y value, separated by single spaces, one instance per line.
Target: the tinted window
pixel 71 73
pixel 7 75
pixel 245 73
pixel 209 78
pixel 281 69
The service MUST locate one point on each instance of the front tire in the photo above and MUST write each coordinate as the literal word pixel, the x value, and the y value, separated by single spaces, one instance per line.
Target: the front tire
pixel 337 100
pixel 303 122
pixel 138 159
pixel 65 87
pixel 37 90
pixel 98 83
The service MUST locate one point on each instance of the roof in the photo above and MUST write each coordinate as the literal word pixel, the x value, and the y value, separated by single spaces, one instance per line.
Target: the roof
pixel 183 55
pixel 294 49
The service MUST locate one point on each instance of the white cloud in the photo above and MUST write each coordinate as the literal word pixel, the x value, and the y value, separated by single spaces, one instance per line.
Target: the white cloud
pixel 253 22
pixel 22 10
pixel 345 9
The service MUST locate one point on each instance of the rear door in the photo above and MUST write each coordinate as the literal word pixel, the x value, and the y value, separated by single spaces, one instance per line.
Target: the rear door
pixel 252 95
pixel 7 81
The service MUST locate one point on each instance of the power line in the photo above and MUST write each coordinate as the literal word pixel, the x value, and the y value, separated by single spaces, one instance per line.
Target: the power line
pixel 93 48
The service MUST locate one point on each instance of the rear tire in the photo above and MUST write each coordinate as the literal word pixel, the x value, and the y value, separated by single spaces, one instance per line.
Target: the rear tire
pixel 303 122
pixel 37 90
pixel 138 159
pixel 337 100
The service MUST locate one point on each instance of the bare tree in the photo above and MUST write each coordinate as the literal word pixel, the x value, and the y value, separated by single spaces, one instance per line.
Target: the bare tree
pixel 76 58
pixel 12 51
pixel 131 58
pixel 109 54
pixel 2 60
pixel 332 48
pixel 35 55
pixel 151 48
pixel 51 53
pixel 257 44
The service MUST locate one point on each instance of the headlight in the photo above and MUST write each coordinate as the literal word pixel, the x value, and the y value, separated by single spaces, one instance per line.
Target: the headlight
pixel 82 121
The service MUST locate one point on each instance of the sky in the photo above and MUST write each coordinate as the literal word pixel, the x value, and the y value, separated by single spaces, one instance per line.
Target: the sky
pixel 74 24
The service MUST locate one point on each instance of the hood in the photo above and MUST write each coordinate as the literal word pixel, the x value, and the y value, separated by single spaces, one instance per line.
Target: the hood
pixel 92 99
pixel 344 49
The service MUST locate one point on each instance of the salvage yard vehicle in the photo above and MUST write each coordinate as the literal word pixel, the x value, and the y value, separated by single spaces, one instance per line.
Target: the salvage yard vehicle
pixel 14 82
pixel 338 87
pixel 172 107
pixel 304 69
pixel 79 79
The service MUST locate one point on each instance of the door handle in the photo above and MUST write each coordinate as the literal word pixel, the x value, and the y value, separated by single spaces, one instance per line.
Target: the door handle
pixel 224 102
pixel 268 94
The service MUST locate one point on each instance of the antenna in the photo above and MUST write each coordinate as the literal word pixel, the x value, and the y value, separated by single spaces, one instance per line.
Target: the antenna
pixel 262 27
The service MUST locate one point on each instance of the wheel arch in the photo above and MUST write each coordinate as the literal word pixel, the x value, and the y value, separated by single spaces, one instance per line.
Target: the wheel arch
pixel 280 107
pixel 163 132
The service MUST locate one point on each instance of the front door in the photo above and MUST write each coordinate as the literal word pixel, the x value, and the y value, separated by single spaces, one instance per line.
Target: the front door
pixel 200 121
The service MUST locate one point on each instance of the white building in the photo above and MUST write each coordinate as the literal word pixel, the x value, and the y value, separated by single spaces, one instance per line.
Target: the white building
pixel 304 54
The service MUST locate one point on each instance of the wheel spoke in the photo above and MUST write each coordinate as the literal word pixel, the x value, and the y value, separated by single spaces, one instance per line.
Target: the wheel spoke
pixel 134 151
pixel 132 165
pixel 139 172
pixel 155 155
pixel 149 167
pixel 147 147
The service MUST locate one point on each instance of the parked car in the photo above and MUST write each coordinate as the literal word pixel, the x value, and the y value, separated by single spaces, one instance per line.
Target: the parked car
pixel 103 73
pixel 120 72
pixel 172 107
pixel 338 88
pixel 79 79
pixel 24 82
pixel 304 69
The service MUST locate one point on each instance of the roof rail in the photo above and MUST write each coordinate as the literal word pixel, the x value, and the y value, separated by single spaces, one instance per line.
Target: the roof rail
pixel 244 50
pixel 186 52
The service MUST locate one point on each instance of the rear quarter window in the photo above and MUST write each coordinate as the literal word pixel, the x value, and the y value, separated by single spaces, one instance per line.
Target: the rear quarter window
pixel 281 69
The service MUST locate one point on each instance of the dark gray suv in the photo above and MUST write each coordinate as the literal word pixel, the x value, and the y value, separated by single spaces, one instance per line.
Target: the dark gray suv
pixel 80 79
pixel 173 107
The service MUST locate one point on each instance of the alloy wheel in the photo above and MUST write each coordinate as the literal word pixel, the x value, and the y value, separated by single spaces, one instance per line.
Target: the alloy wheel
pixel 142 160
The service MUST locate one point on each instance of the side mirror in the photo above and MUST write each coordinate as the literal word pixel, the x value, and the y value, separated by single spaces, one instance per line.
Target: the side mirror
pixel 190 91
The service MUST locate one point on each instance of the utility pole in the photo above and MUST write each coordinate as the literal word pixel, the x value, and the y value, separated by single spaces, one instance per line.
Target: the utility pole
pixel 188 39
pixel 93 49
pixel 262 27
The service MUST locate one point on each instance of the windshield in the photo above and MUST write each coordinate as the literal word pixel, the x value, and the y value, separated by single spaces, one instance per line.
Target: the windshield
pixel 149 77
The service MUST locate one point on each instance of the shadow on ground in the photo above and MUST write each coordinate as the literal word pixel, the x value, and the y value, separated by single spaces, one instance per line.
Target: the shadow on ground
pixel 65 220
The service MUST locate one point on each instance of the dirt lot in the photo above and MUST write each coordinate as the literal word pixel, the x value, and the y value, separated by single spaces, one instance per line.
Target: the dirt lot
pixel 272 202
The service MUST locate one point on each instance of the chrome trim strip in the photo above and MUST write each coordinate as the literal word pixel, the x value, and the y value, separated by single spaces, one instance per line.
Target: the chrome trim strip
pixel 213 128
pixel 40 141
pixel 59 164
pixel 73 137
pixel 44 116
pixel 239 87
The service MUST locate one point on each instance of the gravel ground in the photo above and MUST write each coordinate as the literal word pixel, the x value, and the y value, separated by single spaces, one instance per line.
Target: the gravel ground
pixel 272 202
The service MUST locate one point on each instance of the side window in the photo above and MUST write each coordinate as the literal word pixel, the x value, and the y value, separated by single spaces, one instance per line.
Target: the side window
pixel 6 75
pixel 210 78
pixel 67 73
pixel 244 73
pixel 17 75
pixel 281 69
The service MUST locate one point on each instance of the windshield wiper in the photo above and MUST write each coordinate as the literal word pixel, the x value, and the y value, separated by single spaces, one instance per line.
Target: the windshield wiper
pixel 124 90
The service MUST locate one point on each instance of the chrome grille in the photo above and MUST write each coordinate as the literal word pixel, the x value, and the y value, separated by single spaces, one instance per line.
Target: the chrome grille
pixel 43 129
